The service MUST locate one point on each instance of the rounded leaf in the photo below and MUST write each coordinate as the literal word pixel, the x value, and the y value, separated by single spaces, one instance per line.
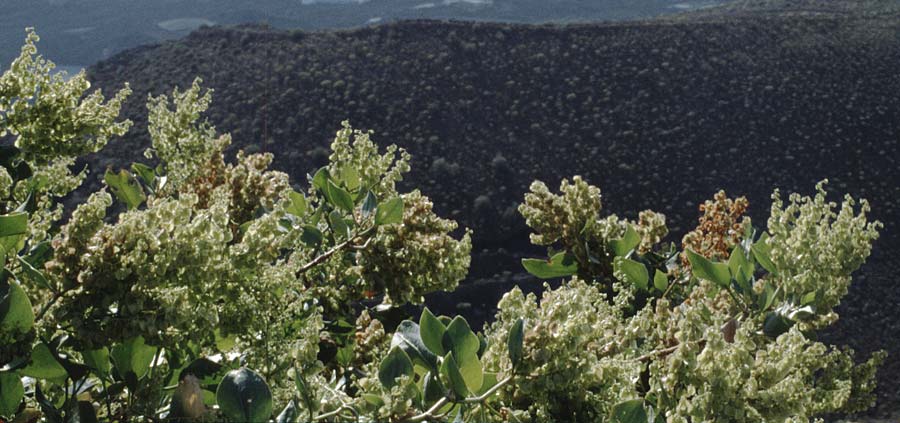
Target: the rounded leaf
pixel 394 365
pixel 560 265
pixel 133 356
pixel 389 212
pixel 11 393
pixel 407 337
pixel 44 365
pixel 660 280
pixel 244 396
pixel 432 332
pixel 459 338
pixel 452 377
pixel 631 411
pixel 704 268
pixel 16 314
pixel 635 273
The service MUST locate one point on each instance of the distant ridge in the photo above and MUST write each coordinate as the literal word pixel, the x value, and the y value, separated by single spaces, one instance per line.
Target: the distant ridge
pixel 80 32
pixel 867 8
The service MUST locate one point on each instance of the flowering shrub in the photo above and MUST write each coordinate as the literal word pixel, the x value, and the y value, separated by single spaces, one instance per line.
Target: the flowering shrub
pixel 202 289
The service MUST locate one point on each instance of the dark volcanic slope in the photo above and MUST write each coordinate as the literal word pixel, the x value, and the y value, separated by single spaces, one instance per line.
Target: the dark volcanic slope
pixel 84 31
pixel 660 115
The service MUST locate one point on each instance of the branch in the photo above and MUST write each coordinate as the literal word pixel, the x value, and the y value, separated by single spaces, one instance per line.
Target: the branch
pixel 489 392
pixel 333 413
pixel 430 414
pixel 348 243
pixel 653 354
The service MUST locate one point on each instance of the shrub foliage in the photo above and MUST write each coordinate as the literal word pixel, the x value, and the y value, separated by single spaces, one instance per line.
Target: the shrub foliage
pixel 206 289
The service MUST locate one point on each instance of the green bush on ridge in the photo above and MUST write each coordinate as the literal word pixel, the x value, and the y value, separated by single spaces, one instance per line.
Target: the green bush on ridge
pixel 208 290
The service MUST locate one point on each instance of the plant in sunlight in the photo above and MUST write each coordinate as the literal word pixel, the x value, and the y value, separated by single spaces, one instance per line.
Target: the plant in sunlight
pixel 198 287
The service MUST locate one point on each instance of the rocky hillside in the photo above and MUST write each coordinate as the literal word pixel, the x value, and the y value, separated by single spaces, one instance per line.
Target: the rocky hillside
pixel 84 31
pixel 659 114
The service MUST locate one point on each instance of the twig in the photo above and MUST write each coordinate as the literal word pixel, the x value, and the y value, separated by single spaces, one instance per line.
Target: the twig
pixel 489 392
pixel 318 260
pixel 333 413
pixel 653 354
pixel 430 413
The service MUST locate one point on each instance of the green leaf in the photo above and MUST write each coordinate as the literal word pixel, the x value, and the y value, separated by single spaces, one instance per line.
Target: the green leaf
pixel 125 187
pixel 344 356
pixel 660 280
pixel 432 389
pixel 741 269
pixel 775 324
pixel 225 342
pixel 33 274
pixel 631 411
pixel 243 396
pixel 311 236
pixel 297 204
pixel 767 297
pixel 635 273
pixel 11 393
pixel 471 369
pixel 86 412
pixel 373 399
pixel 407 337
pixel 15 223
pixel 432 332
pixel 16 314
pixel 703 268
pixel 13 229
pixel 339 197
pixel 622 246
pixel 320 180
pixel 738 262
pixel 389 212
pixel 452 377
pixel 394 365
pixel 146 173
pixel 490 379
pixel 515 341
pixel 350 177
pixel 290 413
pixel 812 297
pixel 369 204
pixel 761 252
pixel 463 344
pixel 39 254
pixel 560 265
pixel 338 225
pixel 10 245
pixel 133 356
pixel 99 361
pixel 459 338
pixel 44 365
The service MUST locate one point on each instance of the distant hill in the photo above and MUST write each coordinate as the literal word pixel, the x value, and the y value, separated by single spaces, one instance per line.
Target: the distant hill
pixel 868 8
pixel 80 32
pixel 659 114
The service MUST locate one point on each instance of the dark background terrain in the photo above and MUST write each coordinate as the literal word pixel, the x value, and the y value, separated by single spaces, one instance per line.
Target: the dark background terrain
pixel 80 32
pixel 659 114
